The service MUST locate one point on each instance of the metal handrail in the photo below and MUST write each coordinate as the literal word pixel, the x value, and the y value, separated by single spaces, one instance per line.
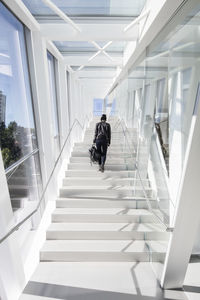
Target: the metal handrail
pixel 148 202
pixel 124 132
pixel 17 226
pixel 119 122
pixel 145 194
pixel 20 161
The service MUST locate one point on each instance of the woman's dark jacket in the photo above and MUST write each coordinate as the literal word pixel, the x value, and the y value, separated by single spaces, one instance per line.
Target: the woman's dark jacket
pixel 102 131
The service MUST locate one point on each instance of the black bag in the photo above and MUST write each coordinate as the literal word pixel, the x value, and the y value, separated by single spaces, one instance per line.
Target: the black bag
pixel 94 155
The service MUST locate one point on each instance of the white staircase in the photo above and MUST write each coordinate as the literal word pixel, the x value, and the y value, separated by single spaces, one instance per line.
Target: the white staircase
pixel 103 216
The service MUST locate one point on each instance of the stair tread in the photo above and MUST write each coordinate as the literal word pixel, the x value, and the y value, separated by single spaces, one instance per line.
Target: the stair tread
pixel 108 167
pixel 110 153
pixel 103 246
pixel 107 179
pixel 117 227
pixel 19 186
pixel 102 211
pixel 105 187
pixel 108 172
pixel 107 164
pixel 106 198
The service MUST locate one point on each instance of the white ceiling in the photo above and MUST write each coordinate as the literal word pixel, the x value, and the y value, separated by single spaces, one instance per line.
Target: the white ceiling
pixel 88 34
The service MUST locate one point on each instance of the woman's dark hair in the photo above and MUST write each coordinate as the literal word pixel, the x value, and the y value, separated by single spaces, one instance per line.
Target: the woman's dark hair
pixel 103 117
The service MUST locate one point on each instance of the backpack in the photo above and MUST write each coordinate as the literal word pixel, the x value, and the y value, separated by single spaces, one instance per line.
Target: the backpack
pixel 94 155
pixel 102 131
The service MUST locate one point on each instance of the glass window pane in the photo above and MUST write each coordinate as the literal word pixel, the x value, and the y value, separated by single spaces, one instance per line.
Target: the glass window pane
pixel 97 107
pixel 17 128
pixel 68 47
pixel 89 7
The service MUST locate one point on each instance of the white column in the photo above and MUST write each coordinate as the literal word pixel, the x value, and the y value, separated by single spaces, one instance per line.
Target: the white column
pixel 187 215
pixel 63 111
pixel 44 109
pixel 12 279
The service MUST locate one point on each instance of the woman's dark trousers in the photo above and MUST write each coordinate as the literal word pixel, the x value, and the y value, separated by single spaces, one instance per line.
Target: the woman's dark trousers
pixel 102 149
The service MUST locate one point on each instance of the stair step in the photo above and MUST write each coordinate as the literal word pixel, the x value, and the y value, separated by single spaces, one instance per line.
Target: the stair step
pixel 102 215
pixel 94 173
pixel 91 181
pixel 115 136
pixel 114 148
pixel 118 192
pixel 108 167
pixel 104 231
pixel 110 154
pixel 87 250
pixel 111 161
pixel 18 180
pixel 18 202
pixel 18 190
pixel 106 202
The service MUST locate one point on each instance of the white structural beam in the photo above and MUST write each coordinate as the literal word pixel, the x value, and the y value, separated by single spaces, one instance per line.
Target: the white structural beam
pixel 93 56
pixel 80 68
pixel 100 60
pixel 137 20
pixel 97 73
pixel 188 206
pixel 22 12
pixel 89 32
pixel 98 81
pixel 102 50
pixel 97 88
pixel 54 50
pixel 61 14
pixel 108 56
pixel 163 11
pixel 70 69
pixel 97 85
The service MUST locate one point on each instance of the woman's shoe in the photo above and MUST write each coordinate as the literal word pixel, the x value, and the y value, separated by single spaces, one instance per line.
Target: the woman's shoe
pixel 102 168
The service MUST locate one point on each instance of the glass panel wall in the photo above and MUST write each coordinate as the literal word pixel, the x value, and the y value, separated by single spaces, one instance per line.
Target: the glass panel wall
pixel 165 85
pixel 161 119
pixel 25 184
pixel 17 128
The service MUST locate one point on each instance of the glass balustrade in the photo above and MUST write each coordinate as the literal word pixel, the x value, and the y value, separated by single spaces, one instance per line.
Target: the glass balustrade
pixel 155 102
pixel 25 184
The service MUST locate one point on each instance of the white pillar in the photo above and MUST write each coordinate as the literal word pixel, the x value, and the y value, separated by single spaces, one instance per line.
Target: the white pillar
pixel 187 213
pixel 12 278
pixel 63 99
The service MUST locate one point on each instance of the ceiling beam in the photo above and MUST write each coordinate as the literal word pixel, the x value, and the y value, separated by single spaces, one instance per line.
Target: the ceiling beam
pixel 99 60
pixel 90 32
pixel 23 14
pixel 164 11
pixel 137 20
pixel 101 50
pixel 61 14
pixel 95 74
